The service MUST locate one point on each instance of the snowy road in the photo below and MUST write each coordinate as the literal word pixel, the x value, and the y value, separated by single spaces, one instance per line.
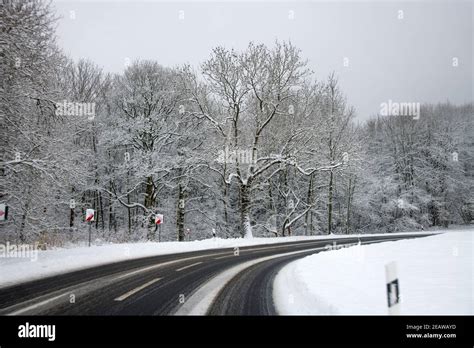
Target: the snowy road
pixel 203 282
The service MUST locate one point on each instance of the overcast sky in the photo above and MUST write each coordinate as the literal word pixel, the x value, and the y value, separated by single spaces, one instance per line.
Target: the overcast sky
pixel 406 60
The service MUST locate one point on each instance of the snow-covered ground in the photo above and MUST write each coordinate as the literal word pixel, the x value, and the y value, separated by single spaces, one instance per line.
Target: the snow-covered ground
pixel 35 264
pixel 435 277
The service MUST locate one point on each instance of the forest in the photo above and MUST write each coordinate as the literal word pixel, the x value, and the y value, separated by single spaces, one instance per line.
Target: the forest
pixel 248 143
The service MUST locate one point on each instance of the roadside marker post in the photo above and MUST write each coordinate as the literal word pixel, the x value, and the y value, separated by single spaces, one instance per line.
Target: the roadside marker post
pixel 159 222
pixel 3 212
pixel 393 288
pixel 90 214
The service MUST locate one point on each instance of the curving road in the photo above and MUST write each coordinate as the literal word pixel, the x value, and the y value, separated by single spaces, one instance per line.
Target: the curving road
pixel 213 282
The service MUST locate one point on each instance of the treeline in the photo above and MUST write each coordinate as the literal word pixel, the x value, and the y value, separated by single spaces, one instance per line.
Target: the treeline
pixel 249 143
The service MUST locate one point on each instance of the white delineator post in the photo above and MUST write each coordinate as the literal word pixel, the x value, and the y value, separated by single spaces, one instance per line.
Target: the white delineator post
pixel 393 288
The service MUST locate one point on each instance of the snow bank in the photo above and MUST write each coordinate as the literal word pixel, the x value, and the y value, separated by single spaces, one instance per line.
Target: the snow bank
pixel 435 276
pixel 38 264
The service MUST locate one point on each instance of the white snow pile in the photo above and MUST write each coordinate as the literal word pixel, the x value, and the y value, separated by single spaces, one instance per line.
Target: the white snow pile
pixel 30 264
pixel 435 277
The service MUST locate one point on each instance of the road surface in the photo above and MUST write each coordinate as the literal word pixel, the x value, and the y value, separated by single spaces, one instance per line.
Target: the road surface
pixel 215 282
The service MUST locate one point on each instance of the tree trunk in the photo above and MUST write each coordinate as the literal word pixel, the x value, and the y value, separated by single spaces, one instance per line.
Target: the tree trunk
pixel 246 228
pixel 149 204
pixel 349 198
pixel 24 217
pixel 226 202
pixel 97 209
pixel 283 228
pixel 149 193
pixel 101 208
pixel 111 211
pixel 71 213
pixel 309 199
pixel 129 217
pixel 180 211
pixel 330 202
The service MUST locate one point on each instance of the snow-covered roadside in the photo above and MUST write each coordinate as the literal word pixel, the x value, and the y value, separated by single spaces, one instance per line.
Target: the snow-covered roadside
pixel 37 264
pixel 435 274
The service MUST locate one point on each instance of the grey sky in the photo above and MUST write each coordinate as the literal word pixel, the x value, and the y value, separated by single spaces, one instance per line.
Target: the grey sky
pixel 409 59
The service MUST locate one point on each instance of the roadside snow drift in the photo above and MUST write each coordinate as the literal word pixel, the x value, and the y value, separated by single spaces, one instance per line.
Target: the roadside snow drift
pixel 435 277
